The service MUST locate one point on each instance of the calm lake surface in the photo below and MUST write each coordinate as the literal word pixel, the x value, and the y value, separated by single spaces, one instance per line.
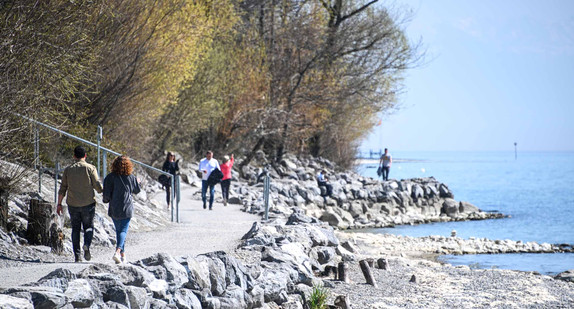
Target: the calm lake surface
pixel 536 190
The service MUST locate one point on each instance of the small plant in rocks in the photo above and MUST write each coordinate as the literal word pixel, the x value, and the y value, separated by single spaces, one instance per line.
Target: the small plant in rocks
pixel 318 298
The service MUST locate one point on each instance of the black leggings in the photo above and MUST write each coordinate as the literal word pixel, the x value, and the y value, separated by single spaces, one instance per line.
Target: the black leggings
pixel 225 188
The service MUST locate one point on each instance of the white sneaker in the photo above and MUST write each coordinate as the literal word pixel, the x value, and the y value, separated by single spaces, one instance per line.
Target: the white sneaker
pixel 117 258
pixel 124 259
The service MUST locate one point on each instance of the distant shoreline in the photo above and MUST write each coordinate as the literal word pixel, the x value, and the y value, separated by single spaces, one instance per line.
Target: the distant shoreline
pixel 376 161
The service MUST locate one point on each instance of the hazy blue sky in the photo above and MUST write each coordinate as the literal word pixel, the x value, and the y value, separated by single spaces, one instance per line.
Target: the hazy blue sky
pixel 499 72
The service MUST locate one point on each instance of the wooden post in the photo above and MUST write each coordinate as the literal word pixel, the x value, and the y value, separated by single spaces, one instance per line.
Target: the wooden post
pixel 43 227
pixel 382 263
pixel 367 273
pixel 56 241
pixel 342 301
pixel 371 262
pixel 38 230
pixel 343 273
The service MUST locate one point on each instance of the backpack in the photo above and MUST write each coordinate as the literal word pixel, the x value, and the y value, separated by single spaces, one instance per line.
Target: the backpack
pixel 164 180
pixel 215 177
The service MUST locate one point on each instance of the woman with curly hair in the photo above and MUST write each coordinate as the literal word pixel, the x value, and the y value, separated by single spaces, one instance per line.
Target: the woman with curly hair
pixel 119 186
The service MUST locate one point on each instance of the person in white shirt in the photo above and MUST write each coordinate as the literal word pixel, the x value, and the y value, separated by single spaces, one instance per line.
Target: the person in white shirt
pixel 206 166
pixel 386 162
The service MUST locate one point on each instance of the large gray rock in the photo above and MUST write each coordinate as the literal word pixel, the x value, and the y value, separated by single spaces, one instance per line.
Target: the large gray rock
pixel 165 267
pixel 11 302
pixel 466 207
pixel 80 293
pixel 198 274
pixel 138 297
pixel 186 299
pixel 566 276
pixel 450 207
pixel 235 272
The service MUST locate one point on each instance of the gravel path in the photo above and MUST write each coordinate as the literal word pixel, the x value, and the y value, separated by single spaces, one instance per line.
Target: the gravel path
pixel 199 231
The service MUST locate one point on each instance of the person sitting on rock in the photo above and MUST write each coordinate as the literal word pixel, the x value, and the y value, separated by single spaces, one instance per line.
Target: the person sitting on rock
pixel 323 181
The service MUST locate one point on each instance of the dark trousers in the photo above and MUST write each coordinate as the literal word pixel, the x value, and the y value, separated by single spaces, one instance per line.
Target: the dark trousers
pixel 386 170
pixel 327 186
pixel 225 188
pixel 204 186
pixel 82 217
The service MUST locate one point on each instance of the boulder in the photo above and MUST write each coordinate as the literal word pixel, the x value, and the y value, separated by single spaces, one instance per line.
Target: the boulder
pixel 450 207
pixel 186 299
pixel 11 302
pixel 138 297
pixel 165 267
pixel 444 192
pixel 566 276
pixel 466 207
pixel 198 272
pixel 80 293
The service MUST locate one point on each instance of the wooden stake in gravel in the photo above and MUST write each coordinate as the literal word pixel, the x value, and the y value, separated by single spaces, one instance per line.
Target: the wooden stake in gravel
pixel 382 263
pixel 367 273
pixel 342 276
pixel 342 301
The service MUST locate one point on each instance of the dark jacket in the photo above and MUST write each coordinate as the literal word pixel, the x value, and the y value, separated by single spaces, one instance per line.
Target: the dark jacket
pixel 118 190
pixel 170 167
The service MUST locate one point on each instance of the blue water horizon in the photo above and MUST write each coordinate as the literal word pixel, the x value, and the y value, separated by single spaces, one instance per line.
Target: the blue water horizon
pixel 535 190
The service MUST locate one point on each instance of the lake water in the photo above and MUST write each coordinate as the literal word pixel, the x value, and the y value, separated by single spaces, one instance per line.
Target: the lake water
pixel 536 189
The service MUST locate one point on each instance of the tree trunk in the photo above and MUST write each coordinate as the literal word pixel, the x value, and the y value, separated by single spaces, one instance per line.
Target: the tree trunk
pixel 250 156
pixel 367 273
pixel 43 227
pixel 3 208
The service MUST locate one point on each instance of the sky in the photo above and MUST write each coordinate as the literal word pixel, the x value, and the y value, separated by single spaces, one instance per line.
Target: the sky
pixel 496 73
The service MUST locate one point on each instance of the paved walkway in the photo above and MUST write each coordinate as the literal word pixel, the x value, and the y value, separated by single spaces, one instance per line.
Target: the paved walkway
pixel 199 231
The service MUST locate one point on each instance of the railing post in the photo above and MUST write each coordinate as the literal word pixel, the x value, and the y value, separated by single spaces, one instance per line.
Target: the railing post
pixel 40 180
pixel 36 147
pixel 105 164
pixel 172 193
pixel 178 197
pixel 56 172
pixel 266 195
pixel 99 137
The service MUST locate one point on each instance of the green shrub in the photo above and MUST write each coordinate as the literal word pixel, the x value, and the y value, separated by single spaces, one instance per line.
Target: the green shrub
pixel 318 298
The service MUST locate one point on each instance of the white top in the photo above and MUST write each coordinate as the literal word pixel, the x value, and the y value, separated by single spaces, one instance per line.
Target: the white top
pixel 320 177
pixel 207 165
pixel 387 159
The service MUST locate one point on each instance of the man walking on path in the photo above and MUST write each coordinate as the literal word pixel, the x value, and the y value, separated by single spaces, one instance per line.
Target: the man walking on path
pixel 79 182
pixel 386 162
pixel 206 166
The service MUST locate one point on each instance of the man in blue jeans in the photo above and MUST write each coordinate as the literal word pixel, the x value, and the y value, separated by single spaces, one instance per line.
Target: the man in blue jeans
pixel 206 166
pixel 79 182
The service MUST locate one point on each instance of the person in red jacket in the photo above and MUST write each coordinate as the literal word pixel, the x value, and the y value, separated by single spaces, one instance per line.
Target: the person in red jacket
pixel 226 180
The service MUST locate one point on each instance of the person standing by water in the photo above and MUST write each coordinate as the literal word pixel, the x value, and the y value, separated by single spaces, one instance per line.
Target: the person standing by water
pixel 206 166
pixel 119 186
pixel 385 162
pixel 171 166
pixel 226 167
pixel 79 181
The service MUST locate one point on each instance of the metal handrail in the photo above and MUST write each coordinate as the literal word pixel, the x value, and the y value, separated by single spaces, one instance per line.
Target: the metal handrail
pixel 175 198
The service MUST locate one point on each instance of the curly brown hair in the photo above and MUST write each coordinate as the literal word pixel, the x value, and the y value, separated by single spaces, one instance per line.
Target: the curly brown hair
pixel 122 166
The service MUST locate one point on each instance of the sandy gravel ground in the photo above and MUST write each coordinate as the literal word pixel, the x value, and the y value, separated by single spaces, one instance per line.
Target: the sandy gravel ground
pixel 199 231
